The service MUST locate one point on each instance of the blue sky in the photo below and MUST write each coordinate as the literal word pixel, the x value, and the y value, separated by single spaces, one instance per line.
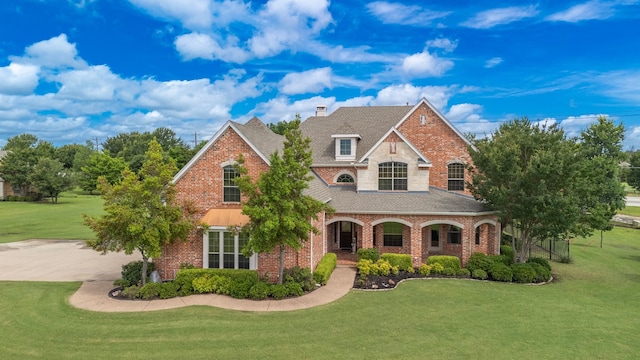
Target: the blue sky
pixel 75 70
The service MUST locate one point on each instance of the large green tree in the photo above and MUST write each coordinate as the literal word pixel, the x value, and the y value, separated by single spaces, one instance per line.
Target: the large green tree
pixel 141 211
pixel 51 178
pixel 602 192
pixel 23 153
pixel 100 164
pixel 633 175
pixel 279 211
pixel 528 173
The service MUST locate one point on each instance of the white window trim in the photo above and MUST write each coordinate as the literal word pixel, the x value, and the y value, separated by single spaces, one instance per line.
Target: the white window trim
pixel 219 230
pixel 353 138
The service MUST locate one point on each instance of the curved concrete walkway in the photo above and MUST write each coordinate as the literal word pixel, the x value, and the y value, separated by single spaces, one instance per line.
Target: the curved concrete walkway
pixel 92 296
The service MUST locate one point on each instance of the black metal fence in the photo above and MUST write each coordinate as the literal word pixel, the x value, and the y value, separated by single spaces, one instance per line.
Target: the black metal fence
pixel 551 249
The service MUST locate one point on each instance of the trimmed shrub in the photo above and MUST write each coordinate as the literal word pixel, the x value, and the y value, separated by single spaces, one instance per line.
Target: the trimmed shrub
pixel 150 291
pixel 132 272
pixel 500 259
pixel 370 254
pixel 437 268
pixel 302 276
pixel 449 271
pixel 402 261
pixel 131 292
pixel 447 261
pixel 259 291
pixel 479 274
pixel 424 270
pixel 168 290
pixel 501 272
pixel 325 267
pixel 278 291
pixel 508 252
pixel 184 279
pixel 364 267
pixel 542 274
pixel 523 273
pixel 478 260
pixel 463 273
pixel 541 261
pixel 294 289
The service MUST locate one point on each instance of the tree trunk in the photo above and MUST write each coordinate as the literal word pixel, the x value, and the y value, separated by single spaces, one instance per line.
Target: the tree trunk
pixel 281 265
pixel 145 263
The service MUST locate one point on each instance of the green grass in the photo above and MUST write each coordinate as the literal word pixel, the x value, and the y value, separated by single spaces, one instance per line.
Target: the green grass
pixel 44 220
pixel 590 312
pixel 631 211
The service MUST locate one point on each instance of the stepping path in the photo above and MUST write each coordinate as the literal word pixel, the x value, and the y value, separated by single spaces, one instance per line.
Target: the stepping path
pixel 92 295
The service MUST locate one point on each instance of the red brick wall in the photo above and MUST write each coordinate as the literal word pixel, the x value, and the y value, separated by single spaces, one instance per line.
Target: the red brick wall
pixel 438 142
pixel 329 174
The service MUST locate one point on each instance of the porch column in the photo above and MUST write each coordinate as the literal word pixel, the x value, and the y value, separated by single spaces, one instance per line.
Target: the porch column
pixel 367 235
pixel 416 245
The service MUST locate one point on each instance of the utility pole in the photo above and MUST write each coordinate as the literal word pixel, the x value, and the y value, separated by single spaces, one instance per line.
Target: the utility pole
pixel 195 140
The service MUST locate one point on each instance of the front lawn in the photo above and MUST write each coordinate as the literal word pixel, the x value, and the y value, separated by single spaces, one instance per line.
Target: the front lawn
pixel 590 312
pixel 44 220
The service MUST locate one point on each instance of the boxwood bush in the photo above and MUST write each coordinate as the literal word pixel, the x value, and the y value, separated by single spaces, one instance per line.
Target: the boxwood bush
pixel 132 272
pixel 302 276
pixel 325 267
pixel 501 272
pixel 523 273
pixel 370 254
pixel 479 274
pixel 259 291
pixel 185 277
pixel 507 251
pixel 541 261
pixel 479 260
pixel 447 261
pixel 402 261
pixel 542 274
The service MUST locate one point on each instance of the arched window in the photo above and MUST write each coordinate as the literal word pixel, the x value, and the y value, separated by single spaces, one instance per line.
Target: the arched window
pixel 230 191
pixel 456 177
pixel 392 176
pixel 345 179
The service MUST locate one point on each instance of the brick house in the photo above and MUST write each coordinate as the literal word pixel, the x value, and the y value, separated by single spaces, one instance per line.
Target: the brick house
pixel 394 174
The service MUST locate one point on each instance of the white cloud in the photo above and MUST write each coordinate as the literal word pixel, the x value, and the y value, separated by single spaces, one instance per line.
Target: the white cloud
pixel 18 79
pixel 340 54
pixel 621 85
pixel 592 10
pixel 194 14
pixel 55 53
pixel 409 94
pixel 287 24
pixel 198 45
pixel 493 62
pixel 397 13
pixel 445 44
pixel 93 83
pixel 425 64
pixel 501 16
pixel 314 80
pixel 460 112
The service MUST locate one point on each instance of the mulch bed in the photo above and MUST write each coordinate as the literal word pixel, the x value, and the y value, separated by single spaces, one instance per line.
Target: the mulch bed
pixel 375 282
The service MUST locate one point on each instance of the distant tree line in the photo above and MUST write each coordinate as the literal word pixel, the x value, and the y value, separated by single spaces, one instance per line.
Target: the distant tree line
pixel 36 169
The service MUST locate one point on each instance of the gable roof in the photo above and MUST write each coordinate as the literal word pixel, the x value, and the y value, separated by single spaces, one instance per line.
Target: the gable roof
pixel 255 133
pixel 439 114
pixel 370 122
pixel 393 130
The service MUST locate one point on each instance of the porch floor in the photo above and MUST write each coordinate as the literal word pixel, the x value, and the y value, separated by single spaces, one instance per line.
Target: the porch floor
pixel 345 257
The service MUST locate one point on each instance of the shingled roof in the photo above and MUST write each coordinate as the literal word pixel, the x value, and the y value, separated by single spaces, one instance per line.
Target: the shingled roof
pixel 371 123
pixel 259 134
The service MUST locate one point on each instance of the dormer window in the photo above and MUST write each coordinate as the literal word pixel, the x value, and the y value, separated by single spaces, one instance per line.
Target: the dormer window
pixel 346 146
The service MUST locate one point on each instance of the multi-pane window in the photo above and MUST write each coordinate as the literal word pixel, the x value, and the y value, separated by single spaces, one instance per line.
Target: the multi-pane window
pixel 392 234
pixel 345 147
pixel 225 250
pixel 392 176
pixel 345 178
pixel 478 235
pixel 231 192
pixel 456 177
pixel 454 236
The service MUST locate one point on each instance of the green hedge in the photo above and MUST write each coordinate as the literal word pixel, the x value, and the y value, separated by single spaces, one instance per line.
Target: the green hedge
pixel 402 261
pixel 523 273
pixel 370 254
pixel 507 251
pixel 501 272
pixel 541 261
pixel 325 268
pixel 447 261
pixel 245 279
pixel 480 261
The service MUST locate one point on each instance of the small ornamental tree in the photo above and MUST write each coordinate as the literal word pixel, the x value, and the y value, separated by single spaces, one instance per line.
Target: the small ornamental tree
pixel 279 211
pixel 51 178
pixel 141 212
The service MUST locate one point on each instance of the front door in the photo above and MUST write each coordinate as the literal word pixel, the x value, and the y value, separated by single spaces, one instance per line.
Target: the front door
pixel 345 235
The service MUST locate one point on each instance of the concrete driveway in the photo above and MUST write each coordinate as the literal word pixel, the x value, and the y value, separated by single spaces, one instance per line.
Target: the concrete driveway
pixel 633 200
pixel 59 260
